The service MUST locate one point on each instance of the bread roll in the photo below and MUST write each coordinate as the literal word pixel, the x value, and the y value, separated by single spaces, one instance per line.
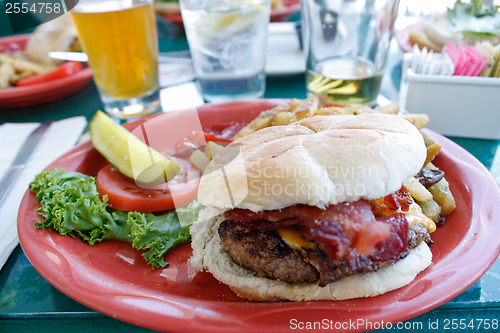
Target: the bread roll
pixel 56 35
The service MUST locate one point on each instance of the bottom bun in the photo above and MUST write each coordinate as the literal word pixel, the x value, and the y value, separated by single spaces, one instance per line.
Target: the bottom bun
pixel 209 255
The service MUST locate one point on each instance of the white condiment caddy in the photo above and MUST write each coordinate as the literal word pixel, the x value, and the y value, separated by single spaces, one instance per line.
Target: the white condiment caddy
pixel 457 105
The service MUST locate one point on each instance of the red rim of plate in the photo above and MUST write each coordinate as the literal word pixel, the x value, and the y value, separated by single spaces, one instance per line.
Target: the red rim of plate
pixel 277 15
pixel 108 278
pixel 41 93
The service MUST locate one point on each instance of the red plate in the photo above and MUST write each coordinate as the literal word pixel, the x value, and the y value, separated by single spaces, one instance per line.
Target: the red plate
pixel 277 15
pixel 41 93
pixel 175 18
pixel 280 15
pixel 112 278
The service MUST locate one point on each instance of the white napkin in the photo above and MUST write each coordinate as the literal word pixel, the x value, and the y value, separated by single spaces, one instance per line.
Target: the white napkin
pixel 59 138
pixel 180 97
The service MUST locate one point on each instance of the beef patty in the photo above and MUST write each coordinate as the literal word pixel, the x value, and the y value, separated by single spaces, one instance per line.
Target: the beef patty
pixel 265 253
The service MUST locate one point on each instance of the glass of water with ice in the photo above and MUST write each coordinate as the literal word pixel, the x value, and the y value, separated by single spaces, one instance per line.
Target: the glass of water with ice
pixel 227 40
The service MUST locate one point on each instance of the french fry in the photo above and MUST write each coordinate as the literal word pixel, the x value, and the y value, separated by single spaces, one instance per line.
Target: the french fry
pixel 265 118
pixel 14 68
pixel 327 111
pixel 7 72
pixel 296 110
pixel 309 106
pixel 391 108
pixel 417 190
pixel 429 141
pixel 282 118
pixel 357 109
pixel 432 152
pixel 442 195
pixel 284 114
pixel 202 159
pixel 22 65
pixel 212 149
pixel 431 209
pixel 431 166
pixel 199 159
pixel 418 120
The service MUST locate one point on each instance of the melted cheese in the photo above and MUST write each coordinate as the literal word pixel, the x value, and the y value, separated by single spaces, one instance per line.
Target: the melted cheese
pixel 294 239
pixel 414 216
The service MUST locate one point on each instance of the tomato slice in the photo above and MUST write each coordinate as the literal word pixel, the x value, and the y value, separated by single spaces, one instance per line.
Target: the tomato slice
pixel 214 138
pixel 223 132
pixel 66 69
pixel 124 194
pixel 199 139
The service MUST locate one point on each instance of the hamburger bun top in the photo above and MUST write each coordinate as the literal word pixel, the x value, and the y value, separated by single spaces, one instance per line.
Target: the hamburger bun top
pixel 319 161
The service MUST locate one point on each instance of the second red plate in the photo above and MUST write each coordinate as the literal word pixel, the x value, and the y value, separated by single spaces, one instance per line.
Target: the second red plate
pixel 17 97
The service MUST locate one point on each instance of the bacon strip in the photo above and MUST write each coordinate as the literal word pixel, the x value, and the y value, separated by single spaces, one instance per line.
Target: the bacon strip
pixel 347 230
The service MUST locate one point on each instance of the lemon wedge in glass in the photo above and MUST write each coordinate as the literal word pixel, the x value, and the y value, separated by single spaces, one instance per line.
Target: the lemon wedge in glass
pixel 131 156
pixel 228 22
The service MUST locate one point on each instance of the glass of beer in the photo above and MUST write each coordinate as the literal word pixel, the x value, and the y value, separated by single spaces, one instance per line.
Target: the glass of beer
pixel 346 45
pixel 121 42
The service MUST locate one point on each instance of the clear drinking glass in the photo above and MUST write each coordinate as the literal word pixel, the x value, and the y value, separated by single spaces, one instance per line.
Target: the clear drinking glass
pixel 346 45
pixel 121 42
pixel 227 40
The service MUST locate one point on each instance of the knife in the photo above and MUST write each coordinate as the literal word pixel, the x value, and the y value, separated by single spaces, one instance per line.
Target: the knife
pixel 21 160
pixel 173 56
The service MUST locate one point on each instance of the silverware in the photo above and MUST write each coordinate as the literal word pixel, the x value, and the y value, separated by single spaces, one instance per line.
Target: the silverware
pixel 175 56
pixel 70 56
pixel 21 160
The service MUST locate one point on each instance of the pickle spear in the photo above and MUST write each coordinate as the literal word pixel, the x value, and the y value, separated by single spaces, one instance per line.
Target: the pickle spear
pixel 127 153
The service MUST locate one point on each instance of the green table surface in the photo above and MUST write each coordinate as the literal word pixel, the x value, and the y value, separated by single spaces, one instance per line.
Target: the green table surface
pixel 28 303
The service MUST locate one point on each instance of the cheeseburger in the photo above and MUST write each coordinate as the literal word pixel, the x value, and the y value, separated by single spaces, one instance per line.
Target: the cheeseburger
pixel 315 210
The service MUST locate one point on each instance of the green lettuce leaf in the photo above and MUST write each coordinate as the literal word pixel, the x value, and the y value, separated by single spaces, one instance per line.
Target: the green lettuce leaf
pixel 70 205
pixel 157 234
pixel 187 215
